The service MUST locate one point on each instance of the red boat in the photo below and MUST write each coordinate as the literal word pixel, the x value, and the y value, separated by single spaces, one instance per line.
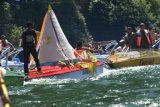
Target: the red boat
pixel 77 72
pixel 53 46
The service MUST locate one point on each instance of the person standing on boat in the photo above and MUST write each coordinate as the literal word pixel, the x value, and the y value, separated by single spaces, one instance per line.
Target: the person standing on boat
pixel 28 42
pixel 153 34
pixel 143 38
pixel 130 38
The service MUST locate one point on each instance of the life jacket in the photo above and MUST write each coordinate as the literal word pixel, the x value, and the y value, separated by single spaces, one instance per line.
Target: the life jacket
pixel 80 54
pixel 139 37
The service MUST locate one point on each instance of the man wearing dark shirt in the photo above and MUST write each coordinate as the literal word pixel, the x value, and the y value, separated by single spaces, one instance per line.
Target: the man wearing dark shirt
pixel 29 41
pixel 130 38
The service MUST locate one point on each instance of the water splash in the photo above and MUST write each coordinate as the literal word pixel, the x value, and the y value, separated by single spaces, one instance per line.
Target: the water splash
pixel 124 87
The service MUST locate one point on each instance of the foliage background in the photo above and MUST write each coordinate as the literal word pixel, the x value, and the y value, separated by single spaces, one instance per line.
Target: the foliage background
pixel 81 20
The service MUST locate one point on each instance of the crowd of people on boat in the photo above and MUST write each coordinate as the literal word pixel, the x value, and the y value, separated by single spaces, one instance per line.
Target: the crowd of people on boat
pixel 142 38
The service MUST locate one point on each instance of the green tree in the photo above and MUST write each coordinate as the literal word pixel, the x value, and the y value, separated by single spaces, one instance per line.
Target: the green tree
pixel 13 35
pixel 5 17
pixel 72 21
pixel 104 16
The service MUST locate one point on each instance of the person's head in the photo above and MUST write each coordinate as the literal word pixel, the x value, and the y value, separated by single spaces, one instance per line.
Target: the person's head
pixel 129 29
pixel 2 37
pixel 79 45
pixel 30 25
pixel 121 43
pixel 152 29
pixel 142 26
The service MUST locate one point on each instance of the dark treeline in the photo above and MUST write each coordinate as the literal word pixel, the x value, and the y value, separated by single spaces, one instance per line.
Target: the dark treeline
pixel 81 20
pixel 107 19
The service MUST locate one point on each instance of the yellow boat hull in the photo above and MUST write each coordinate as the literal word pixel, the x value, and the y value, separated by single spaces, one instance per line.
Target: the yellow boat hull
pixel 149 57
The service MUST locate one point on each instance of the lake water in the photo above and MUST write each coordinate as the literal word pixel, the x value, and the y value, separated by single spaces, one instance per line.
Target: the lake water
pixel 125 87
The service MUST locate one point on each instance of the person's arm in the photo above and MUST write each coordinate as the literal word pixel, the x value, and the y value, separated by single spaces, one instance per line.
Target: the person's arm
pixel 21 40
pixel 10 45
pixel 126 40
pixel 156 36
pixel 35 38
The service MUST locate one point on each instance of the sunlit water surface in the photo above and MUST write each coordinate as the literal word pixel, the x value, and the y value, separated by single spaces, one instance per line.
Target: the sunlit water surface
pixel 125 87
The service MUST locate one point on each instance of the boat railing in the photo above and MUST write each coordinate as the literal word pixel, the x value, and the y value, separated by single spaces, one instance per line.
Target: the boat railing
pixel 124 51
pixel 14 53
pixel 110 47
pixel 156 44
pixel 6 54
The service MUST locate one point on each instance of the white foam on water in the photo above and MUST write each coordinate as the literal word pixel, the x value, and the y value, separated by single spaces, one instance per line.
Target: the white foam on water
pixel 42 81
pixel 142 102
pixel 19 90
pixel 106 73
pixel 131 70
pixel 154 105
pixel 125 70
pixel 117 105
pixel 118 71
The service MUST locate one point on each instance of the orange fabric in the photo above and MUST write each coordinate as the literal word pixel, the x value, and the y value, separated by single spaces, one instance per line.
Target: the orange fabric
pixel 138 41
pixel 42 30
pixel 78 53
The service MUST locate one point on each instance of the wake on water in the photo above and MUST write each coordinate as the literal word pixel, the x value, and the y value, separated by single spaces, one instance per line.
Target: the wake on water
pixel 123 87
pixel 106 73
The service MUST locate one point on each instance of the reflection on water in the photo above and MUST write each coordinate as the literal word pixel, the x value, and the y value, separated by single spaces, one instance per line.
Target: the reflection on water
pixel 125 87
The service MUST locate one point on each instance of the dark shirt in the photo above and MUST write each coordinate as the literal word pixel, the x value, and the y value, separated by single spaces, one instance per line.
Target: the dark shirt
pixel 130 40
pixel 28 38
